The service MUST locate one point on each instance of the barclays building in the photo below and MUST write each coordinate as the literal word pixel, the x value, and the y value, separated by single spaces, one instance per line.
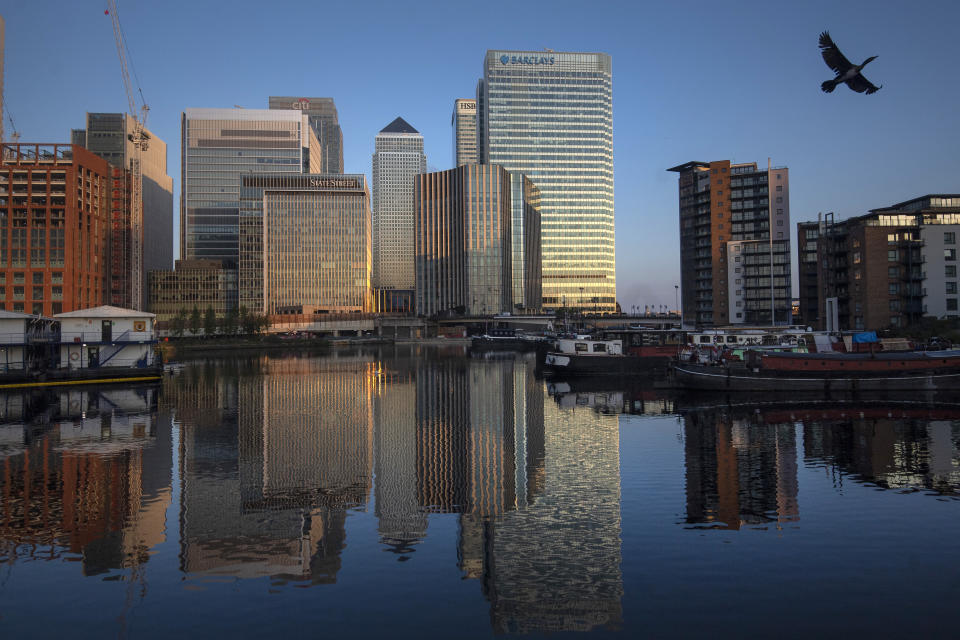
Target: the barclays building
pixel 549 115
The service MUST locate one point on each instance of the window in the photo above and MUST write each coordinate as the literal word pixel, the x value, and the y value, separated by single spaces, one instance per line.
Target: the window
pixel 951 287
pixel 856 257
pixel 951 304
pixel 779 187
pixel 950 271
pixel 736 258
pixel 894 305
pixel 893 289
pixel 856 243
pixel 893 272
pixel 38 277
pixel 949 254
pixel 856 274
pixel 779 223
pixel 739 303
pixel 892 255
pixel 780 213
pixel 949 237
pixel 738 280
pixel 739 315
pixel 779 199
pixel 38 293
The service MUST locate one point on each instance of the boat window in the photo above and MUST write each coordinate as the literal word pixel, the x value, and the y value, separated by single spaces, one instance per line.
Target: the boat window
pixel 732 339
pixel 718 339
pixel 599 346
pixel 581 346
pixel 704 339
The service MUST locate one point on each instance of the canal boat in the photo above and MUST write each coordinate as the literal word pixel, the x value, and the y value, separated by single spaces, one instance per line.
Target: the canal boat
pixel 792 371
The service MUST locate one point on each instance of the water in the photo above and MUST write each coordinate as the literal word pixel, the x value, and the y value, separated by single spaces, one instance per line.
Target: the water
pixel 424 493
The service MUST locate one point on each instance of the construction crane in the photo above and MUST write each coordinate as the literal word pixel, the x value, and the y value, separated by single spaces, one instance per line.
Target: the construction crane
pixel 139 141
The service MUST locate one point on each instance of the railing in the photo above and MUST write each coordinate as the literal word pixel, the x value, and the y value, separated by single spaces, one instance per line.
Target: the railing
pixel 96 337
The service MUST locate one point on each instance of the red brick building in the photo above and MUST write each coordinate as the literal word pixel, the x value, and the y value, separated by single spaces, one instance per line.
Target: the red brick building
pixel 55 206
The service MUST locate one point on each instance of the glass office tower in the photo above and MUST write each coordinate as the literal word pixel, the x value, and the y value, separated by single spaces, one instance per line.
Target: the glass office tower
pixel 218 146
pixel 550 115
pixel 471 258
pixel 322 113
pixel 397 159
pixel 464 123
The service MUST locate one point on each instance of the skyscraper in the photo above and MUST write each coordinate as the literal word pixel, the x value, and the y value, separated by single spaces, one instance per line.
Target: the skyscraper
pixel 108 136
pixel 550 116
pixel 464 123
pixel 218 146
pixel 398 157
pixel 734 243
pixel 322 113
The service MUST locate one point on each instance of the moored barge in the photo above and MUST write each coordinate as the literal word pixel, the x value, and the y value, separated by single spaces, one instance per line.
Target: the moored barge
pixel 785 371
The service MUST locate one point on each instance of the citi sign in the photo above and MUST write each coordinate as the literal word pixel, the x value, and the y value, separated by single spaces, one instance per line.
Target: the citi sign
pixel 525 60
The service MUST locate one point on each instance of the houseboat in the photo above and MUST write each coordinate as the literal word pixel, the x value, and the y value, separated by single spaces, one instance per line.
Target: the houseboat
pixel 585 355
pixel 103 344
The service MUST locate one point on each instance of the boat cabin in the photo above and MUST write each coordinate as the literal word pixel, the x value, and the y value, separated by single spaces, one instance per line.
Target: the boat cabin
pixel 584 346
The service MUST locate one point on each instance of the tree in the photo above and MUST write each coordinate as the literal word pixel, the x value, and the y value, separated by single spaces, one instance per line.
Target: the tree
pixel 179 323
pixel 263 322
pixel 248 321
pixel 229 323
pixel 195 321
pixel 209 322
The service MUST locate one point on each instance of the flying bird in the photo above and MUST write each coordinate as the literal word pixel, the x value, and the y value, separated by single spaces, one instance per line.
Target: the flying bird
pixel 845 70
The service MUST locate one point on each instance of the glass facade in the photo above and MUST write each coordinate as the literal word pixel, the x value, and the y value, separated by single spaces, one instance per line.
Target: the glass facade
pixel 397 159
pixel 322 114
pixel 218 146
pixel 525 248
pixel 465 241
pixel 464 125
pixel 316 244
pixel 550 116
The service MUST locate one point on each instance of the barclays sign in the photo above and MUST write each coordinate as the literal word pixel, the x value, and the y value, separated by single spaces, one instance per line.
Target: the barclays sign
pixel 526 60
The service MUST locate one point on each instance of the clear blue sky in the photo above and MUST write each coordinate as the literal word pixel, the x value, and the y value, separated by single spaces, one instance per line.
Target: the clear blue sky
pixel 691 81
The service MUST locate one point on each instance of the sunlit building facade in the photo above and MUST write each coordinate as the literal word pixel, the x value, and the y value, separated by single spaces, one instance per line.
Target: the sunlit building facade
pixel 464 123
pixel 218 147
pixel 50 261
pixel 550 116
pixel 316 244
pixel 464 241
pixel 136 247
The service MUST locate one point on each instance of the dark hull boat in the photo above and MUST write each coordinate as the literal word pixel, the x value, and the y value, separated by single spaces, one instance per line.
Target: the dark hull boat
pixel 826 372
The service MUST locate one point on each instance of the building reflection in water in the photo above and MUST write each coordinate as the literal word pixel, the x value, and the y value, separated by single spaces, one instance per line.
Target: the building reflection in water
pixel 739 471
pixel 742 460
pixel 553 563
pixel 890 447
pixel 271 460
pixel 85 474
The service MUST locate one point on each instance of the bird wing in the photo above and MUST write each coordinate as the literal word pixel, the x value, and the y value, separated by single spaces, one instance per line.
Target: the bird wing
pixel 861 85
pixel 831 54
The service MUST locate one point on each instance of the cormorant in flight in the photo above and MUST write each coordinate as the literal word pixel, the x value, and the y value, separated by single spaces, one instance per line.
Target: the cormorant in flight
pixel 845 70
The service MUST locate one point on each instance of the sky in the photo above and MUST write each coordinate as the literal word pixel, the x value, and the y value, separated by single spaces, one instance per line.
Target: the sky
pixel 691 81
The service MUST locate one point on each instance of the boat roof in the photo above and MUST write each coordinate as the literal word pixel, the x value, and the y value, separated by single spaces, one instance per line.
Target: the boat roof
pixel 880 355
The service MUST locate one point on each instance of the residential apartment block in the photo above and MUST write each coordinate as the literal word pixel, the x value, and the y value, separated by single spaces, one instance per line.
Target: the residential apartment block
pixel 734 243
pixel 54 221
pixel 890 267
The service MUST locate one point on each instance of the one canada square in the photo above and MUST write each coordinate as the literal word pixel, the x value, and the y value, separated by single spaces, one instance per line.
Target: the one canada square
pixel 549 115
